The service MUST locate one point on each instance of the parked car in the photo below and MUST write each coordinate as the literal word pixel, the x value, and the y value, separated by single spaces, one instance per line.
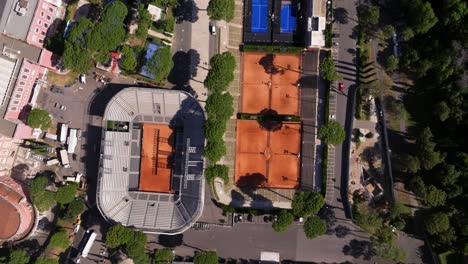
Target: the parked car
pixel 83 78
pixel 213 30
pixel 239 218
pixel 250 218
pixel 341 87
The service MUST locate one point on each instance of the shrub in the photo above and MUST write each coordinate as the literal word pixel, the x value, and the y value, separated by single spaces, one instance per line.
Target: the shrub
pixel 307 203
pixel 332 133
pixel 74 208
pixel 128 61
pixel 215 150
pixel 205 257
pixel 370 135
pixel 165 255
pixel 221 171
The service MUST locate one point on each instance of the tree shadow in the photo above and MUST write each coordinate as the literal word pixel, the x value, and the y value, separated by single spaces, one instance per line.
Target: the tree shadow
pixel 269 120
pixel 186 10
pixel 340 15
pixel 185 68
pixel 359 248
pixel 268 63
pixel 342 231
pixel 252 179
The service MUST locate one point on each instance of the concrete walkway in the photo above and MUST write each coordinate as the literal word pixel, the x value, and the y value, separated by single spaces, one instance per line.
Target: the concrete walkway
pixel 159 35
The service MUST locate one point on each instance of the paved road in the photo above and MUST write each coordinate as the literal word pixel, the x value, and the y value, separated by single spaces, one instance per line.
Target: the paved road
pixel 246 241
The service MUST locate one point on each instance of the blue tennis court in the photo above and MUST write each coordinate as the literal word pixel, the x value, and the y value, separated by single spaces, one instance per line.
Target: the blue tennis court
pixel 259 16
pixel 288 18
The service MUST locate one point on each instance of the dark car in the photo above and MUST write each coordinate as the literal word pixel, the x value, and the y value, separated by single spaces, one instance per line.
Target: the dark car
pixel 56 89
pixel 250 218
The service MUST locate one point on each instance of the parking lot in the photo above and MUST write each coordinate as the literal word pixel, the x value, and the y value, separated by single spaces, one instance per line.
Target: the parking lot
pixel 70 105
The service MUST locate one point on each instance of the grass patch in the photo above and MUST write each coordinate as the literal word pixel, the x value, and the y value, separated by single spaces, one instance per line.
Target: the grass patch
pixel 62 79
pixel 450 257
pixel 271 48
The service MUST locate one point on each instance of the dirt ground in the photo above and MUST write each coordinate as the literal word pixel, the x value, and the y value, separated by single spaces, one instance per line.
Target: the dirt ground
pixel 61 80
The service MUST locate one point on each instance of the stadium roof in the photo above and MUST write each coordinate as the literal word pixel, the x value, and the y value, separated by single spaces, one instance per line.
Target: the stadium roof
pixel 118 195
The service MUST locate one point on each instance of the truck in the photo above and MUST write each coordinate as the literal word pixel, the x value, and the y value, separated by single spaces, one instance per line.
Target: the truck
pixel 52 161
pixel 50 136
pixel 63 155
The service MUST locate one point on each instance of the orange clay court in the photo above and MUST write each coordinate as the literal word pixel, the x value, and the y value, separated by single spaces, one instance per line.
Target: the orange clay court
pixel 155 172
pixel 265 158
pixel 262 90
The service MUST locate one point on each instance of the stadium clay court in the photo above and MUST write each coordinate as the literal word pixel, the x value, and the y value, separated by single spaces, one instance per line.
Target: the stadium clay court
pixel 155 175
pixel 267 158
pixel 262 90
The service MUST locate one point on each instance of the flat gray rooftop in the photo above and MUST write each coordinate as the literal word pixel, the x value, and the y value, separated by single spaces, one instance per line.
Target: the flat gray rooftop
pixel 11 23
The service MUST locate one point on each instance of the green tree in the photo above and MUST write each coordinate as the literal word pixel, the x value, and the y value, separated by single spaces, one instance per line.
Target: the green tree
pixel 118 235
pixel 128 61
pixel 160 64
pixel 447 175
pixel 434 197
pixel 407 33
pixel 442 111
pixel 421 16
pixel 454 11
pixel 368 15
pixel 390 251
pixel 214 129
pixel 398 209
pixel 162 256
pixel 221 9
pixel 76 58
pixel 428 157
pixel 16 256
pixel 66 194
pixel 215 150
pixel 388 31
pixel 205 257
pixel 221 73
pixel 437 223
pixel 327 66
pixel 314 227
pixel 60 240
pixel 391 64
pixel 39 118
pixel 74 208
pixel 40 197
pixel 307 203
pixel 144 22
pixel 221 171
pixel 284 220
pixel 409 163
pixel 108 33
pixel 332 133
pixel 219 106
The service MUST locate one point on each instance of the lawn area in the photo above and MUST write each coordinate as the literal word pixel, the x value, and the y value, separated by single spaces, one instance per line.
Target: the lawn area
pixel 61 80
pixel 450 257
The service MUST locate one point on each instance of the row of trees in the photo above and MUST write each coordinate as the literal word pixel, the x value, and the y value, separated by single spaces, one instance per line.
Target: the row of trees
pixel 44 199
pixel 219 105
pixel 221 9
pixel 305 205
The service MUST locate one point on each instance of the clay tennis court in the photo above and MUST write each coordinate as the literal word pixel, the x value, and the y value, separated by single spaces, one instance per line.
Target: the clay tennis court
pixel 155 171
pixel 277 91
pixel 265 158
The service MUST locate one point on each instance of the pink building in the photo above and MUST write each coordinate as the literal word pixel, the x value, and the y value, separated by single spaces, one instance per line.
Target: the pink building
pixel 46 13
pixel 21 96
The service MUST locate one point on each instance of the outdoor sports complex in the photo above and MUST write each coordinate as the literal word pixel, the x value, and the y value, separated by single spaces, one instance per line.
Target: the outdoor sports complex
pixel 151 165
pixel 268 142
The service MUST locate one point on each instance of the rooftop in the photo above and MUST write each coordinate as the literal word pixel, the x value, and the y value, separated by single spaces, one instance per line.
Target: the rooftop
pixel 120 198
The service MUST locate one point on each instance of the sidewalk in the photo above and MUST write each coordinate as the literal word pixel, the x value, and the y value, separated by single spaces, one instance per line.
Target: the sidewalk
pixel 159 35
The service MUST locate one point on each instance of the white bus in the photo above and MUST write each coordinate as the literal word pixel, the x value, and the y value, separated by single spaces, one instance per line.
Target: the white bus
pixel 63 133
pixel 88 244
pixel 64 158
pixel 72 141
